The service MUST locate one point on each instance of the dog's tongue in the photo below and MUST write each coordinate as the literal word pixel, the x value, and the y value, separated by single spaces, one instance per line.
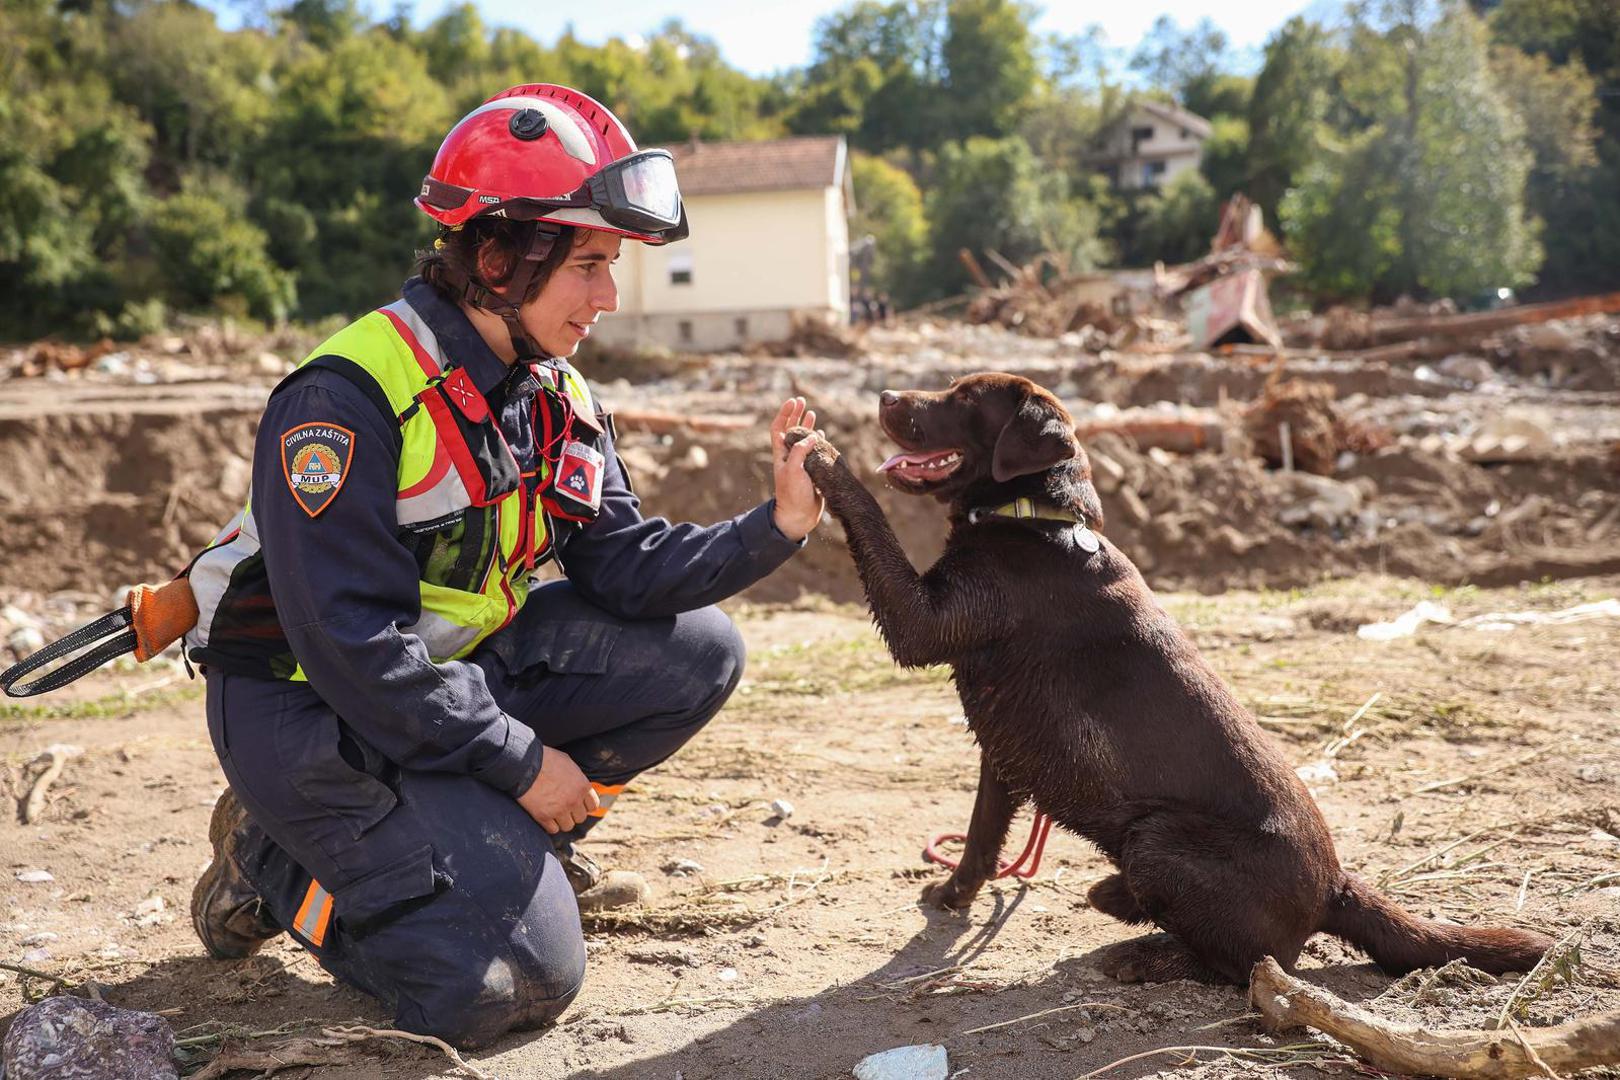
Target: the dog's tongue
pixel 907 459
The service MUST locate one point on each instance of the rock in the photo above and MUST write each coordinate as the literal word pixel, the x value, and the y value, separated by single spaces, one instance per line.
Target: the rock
pixel 1135 510
pixel 113 364
pixel 1505 438
pixel 235 474
pixel 25 641
pixel 1317 500
pixel 696 457
pixel 683 867
pixel 35 877
pixel 782 808
pixel 1474 369
pixel 69 1038
pixel 45 937
pixel 1547 337
pixel 16 616
pixel 1106 473
pixel 925 1062
pixel 268 363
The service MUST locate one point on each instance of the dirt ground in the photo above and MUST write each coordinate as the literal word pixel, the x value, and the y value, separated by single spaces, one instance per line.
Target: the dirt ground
pixel 1472 772
pixel 1478 785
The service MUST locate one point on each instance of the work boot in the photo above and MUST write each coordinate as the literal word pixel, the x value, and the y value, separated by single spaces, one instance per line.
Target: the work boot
pixel 596 889
pixel 231 919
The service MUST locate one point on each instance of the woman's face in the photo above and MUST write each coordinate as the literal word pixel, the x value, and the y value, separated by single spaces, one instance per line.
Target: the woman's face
pixel 578 291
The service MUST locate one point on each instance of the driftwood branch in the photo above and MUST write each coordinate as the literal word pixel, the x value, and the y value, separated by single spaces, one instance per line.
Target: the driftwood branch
pixel 50 764
pixel 334 1046
pixel 1286 1003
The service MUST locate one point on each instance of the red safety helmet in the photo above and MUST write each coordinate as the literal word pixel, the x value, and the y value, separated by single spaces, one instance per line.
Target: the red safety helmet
pixel 540 152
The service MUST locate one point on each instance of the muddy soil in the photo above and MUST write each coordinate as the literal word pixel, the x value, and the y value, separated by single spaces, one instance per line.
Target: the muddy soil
pixel 1481 788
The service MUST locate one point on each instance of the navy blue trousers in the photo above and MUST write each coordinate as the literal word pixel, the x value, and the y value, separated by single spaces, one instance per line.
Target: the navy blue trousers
pixel 447 901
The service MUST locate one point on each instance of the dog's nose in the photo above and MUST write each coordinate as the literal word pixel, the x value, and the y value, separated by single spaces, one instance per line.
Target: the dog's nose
pixel 888 397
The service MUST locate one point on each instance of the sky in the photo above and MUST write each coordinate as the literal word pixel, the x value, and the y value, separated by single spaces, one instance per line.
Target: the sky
pixel 765 36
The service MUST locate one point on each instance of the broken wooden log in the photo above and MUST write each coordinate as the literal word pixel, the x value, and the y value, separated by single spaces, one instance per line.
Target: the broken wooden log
pixel 1286 1003
pixel 975 271
pixel 1174 434
pixel 1479 324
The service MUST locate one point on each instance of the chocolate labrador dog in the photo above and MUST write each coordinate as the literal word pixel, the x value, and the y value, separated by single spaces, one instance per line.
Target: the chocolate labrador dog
pixel 1085 697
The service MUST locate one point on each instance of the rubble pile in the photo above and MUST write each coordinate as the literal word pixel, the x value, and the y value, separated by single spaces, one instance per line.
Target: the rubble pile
pixel 814 336
pixel 1295 424
pixel 196 350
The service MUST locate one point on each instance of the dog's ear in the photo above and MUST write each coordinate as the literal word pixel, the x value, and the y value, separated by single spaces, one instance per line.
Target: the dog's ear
pixel 1034 440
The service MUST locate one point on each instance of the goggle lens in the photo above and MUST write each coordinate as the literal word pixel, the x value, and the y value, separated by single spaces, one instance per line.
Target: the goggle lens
pixel 649 187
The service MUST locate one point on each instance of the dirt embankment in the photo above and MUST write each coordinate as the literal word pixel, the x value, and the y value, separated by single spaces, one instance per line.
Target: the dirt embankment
pixel 113 483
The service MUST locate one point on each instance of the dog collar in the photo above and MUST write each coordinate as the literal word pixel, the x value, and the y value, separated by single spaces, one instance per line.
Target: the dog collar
pixel 1024 508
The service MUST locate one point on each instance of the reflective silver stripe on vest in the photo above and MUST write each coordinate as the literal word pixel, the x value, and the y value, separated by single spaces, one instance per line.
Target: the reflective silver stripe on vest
pixel 211 575
pixel 449 494
pixel 445 497
pixel 442 637
pixel 419 327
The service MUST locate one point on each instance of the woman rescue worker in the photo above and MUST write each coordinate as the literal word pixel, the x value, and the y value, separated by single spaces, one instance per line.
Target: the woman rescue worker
pixel 416 738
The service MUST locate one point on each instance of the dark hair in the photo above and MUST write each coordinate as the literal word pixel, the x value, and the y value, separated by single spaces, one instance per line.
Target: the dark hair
pixel 454 256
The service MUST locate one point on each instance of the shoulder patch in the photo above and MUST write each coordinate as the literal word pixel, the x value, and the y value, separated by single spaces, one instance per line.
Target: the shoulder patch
pixel 315 459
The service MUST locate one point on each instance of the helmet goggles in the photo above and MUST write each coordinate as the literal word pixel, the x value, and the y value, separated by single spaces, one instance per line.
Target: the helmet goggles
pixel 636 194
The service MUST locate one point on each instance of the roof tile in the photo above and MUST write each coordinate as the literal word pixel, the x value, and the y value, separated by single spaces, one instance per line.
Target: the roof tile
pixel 725 168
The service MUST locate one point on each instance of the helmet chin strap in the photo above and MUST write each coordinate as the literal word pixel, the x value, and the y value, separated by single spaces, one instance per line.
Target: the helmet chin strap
pixel 480 296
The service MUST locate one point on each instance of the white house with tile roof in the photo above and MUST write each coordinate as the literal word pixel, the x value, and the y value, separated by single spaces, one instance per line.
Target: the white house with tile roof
pixel 1152 145
pixel 769 244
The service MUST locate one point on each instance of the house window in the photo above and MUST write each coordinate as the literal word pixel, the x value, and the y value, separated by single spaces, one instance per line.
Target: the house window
pixel 741 326
pixel 680 268
pixel 1152 172
pixel 684 328
pixel 1141 134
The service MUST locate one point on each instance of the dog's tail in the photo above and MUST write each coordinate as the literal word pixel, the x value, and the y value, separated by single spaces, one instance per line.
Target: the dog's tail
pixel 1399 941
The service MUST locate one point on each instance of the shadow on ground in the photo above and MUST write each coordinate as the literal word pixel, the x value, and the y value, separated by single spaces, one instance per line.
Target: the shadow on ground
pixel 824 1035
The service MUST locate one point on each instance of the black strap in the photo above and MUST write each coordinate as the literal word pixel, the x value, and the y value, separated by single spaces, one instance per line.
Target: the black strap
pixel 111 631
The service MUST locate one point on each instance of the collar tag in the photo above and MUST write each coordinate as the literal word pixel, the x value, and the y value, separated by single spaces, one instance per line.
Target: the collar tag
pixel 1086 540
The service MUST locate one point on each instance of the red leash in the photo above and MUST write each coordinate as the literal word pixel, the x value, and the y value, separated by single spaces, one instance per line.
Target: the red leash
pixel 1032 851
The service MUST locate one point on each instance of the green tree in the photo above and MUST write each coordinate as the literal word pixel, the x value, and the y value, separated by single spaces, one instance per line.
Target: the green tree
pixel 202 90
pixel 1226 156
pixel 1580 206
pixel 323 23
pixel 995 194
pixel 876 75
pixel 72 158
pixel 990 67
pixel 1218 94
pixel 210 255
pixel 1173 60
pixel 1288 110
pixel 1443 164
pixel 1177 221
pixel 889 209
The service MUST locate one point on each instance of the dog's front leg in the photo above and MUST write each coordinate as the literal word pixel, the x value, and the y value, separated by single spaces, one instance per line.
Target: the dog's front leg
pixel 922 620
pixel 993 811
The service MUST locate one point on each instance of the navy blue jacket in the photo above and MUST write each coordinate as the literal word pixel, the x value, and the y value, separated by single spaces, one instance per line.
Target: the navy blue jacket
pixel 343 583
